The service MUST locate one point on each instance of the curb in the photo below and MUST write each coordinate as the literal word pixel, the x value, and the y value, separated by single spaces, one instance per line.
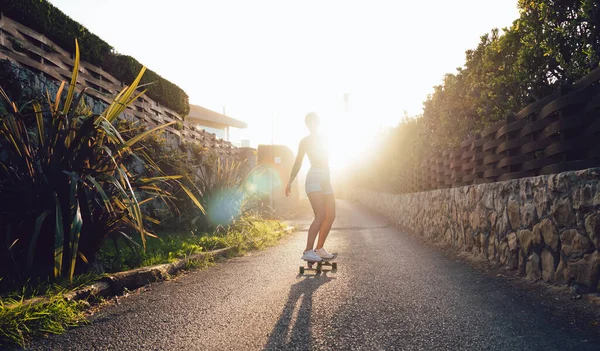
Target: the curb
pixel 132 279
pixel 115 283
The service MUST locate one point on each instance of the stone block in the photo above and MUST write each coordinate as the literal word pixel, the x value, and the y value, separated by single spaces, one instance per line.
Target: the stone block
pixel 548 265
pixel 525 191
pixel 500 200
pixel 513 212
pixel 562 272
pixel 448 236
pixel 559 183
pixel 528 238
pixel 549 233
pixel 585 271
pixel 582 196
pixel 502 223
pixel 482 241
pixel 573 244
pixel 596 198
pixel 512 241
pixel 592 227
pixel 475 219
pixel 469 242
pixel 503 252
pixel 522 262
pixel 562 212
pixel 492 253
pixel 488 197
pixel 541 199
pixel 512 260
pixel 533 267
pixel 528 215
pixel 492 217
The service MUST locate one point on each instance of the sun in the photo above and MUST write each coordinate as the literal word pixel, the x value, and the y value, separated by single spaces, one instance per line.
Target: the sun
pixel 348 140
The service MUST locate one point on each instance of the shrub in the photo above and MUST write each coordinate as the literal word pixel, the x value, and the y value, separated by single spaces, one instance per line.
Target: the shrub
pixel 44 18
pixel 65 183
pixel 162 91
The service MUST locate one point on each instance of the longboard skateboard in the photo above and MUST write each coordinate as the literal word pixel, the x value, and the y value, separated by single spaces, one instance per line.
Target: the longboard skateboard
pixel 324 262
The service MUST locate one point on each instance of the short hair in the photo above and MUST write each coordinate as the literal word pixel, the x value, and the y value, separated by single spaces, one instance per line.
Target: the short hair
pixel 311 116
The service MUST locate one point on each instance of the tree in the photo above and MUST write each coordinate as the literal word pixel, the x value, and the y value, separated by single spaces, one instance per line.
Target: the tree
pixel 552 43
pixel 561 41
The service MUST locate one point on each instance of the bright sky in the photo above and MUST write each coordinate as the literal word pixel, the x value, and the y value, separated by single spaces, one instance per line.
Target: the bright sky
pixel 271 62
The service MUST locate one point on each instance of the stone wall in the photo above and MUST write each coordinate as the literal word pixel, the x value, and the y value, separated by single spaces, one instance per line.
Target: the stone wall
pixel 546 227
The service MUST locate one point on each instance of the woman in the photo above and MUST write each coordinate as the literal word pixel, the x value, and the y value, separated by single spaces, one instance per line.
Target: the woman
pixel 318 188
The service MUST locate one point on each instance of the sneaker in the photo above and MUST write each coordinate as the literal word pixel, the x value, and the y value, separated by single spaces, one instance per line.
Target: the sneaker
pixel 323 254
pixel 310 255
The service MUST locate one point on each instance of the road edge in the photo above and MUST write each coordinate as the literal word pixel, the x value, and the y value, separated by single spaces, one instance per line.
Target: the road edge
pixel 115 283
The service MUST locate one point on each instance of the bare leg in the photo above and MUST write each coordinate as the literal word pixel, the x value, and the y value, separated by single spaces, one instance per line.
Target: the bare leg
pixel 317 201
pixel 328 222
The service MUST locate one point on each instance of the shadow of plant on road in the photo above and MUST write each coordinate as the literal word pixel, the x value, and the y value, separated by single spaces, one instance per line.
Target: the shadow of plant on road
pixel 289 331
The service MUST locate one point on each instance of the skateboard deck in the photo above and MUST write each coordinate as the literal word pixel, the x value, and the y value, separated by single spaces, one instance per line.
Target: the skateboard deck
pixel 324 262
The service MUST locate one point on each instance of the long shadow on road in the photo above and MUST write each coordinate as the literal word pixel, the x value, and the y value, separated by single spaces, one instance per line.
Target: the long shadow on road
pixel 295 333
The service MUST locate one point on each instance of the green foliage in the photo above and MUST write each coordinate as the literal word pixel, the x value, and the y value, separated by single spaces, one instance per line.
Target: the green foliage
pixel 248 233
pixel 551 44
pixel 386 164
pixel 44 18
pixel 65 184
pixel 222 190
pixel 561 40
pixel 219 185
pixel 162 91
pixel 20 322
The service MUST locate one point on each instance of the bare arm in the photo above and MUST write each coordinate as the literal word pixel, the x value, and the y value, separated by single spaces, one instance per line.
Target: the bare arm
pixel 298 162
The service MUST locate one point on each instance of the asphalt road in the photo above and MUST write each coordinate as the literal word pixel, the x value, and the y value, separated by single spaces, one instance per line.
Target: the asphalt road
pixel 390 292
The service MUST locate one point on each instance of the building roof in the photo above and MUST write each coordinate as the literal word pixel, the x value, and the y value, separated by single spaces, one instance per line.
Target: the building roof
pixel 199 114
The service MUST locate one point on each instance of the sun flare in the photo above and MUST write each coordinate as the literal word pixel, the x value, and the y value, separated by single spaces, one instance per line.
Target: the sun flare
pixel 348 140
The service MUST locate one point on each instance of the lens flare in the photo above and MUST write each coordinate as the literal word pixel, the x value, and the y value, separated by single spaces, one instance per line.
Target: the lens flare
pixel 263 181
pixel 225 207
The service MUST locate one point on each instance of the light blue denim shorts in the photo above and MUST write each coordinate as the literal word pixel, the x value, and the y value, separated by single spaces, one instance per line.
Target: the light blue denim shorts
pixel 318 179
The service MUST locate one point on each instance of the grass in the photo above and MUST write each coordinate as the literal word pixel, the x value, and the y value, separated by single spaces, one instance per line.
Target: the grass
pixel 250 233
pixel 20 322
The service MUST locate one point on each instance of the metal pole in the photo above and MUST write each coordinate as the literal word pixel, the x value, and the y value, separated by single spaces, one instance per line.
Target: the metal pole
pixel 272 154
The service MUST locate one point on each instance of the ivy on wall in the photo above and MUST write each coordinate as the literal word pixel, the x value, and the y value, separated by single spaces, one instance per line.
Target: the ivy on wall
pixel 44 18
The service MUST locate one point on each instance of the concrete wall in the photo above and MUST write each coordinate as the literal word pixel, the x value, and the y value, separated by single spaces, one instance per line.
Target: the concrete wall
pixel 547 227
pixel 279 160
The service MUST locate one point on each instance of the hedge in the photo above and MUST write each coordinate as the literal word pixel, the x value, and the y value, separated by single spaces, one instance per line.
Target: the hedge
pixel 44 18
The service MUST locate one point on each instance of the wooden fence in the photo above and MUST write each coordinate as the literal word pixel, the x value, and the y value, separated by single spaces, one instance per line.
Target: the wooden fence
pixel 27 48
pixel 558 133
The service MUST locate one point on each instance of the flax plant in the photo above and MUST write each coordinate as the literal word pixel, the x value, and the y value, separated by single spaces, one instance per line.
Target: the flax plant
pixel 66 182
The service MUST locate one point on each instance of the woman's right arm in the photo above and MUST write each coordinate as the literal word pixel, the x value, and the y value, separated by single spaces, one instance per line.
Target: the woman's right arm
pixel 296 167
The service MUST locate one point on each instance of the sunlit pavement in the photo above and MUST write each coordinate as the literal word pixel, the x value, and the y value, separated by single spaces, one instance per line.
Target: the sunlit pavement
pixel 390 292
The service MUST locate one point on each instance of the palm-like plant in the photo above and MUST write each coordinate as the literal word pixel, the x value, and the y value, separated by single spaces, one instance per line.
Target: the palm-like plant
pixel 225 189
pixel 65 183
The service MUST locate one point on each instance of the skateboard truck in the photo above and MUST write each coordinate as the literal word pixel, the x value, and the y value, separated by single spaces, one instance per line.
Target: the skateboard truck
pixel 320 264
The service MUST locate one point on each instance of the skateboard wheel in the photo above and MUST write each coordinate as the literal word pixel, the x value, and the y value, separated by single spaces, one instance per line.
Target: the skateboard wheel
pixel 301 270
pixel 334 265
